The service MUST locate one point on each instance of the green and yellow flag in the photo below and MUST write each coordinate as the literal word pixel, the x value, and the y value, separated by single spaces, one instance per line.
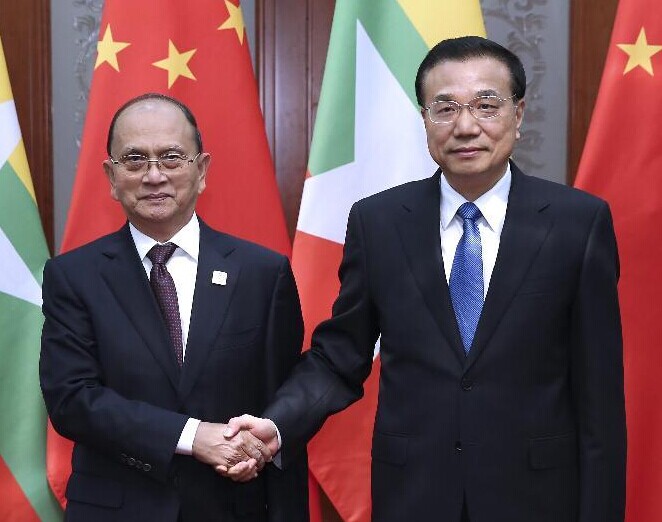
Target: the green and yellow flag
pixel 24 492
pixel 369 136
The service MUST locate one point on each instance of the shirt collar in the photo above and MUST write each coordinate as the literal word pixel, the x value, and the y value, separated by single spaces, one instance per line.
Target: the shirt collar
pixel 492 204
pixel 187 239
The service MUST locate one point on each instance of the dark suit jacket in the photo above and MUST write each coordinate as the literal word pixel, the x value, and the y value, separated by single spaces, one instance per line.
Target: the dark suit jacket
pixel 111 382
pixel 530 426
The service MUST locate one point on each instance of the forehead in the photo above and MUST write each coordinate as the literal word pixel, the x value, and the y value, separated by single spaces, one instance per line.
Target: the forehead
pixel 152 123
pixel 463 80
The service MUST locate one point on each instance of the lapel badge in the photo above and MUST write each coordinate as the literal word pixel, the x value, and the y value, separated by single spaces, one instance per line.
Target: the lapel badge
pixel 219 278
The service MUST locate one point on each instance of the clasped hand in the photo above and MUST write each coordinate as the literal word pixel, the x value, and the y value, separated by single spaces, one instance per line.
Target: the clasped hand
pixel 237 450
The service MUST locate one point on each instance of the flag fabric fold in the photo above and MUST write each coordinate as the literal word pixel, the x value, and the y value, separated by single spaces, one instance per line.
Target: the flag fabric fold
pixel 197 52
pixel 26 496
pixel 622 163
pixel 368 136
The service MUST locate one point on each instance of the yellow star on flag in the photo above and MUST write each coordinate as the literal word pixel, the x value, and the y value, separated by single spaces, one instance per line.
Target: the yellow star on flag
pixel 107 49
pixel 176 64
pixel 235 20
pixel 640 53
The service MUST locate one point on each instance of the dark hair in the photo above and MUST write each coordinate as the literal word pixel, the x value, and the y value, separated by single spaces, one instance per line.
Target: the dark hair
pixel 465 48
pixel 161 97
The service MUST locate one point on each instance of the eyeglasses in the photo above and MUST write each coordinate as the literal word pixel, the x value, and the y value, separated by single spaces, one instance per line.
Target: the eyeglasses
pixel 139 163
pixel 481 108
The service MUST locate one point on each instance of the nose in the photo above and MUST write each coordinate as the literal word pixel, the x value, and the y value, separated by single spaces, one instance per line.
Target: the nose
pixel 153 174
pixel 466 123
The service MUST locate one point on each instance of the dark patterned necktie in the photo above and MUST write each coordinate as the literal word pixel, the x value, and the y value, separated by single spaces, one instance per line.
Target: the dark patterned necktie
pixel 166 294
pixel 466 281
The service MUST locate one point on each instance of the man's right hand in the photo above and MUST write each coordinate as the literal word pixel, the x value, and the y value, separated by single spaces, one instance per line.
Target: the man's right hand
pixel 263 429
pixel 211 446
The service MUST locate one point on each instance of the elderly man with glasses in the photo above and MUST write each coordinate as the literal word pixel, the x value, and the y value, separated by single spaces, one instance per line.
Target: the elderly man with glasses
pixel 157 334
pixel 494 297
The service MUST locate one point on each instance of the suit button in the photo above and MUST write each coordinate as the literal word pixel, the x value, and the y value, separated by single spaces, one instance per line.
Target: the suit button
pixel 458 445
pixel 139 464
pixel 131 461
pixel 467 384
pixel 147 467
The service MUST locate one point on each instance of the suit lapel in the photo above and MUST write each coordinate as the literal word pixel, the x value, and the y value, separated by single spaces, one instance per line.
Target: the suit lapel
pixel 524 231
pixel 419 233
pixel 210 303
pixel 124 274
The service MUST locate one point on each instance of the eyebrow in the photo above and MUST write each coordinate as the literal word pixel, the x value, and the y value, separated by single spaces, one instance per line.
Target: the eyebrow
pixel 133 149
pixel 450 97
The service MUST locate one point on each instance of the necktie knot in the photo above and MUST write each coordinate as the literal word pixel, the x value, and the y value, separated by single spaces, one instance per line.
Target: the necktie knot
pixel 469 211
pixel 159 254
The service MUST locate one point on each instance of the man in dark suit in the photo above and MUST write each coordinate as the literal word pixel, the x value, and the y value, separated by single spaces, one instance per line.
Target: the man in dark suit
pixel 156 334
pixel 495 296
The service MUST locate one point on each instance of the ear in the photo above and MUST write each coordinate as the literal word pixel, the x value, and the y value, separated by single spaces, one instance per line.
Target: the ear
pixel 110 174
pixel 519 115
pixel 203 166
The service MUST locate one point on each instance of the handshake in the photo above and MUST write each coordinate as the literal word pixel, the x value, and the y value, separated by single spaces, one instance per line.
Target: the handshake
pixel 239 449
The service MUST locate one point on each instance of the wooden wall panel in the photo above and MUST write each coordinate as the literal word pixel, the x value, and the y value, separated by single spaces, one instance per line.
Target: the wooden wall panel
pixel 591 22
pixel 292 40
pixel 26 38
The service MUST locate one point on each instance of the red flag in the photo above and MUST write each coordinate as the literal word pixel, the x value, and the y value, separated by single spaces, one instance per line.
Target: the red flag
pixel 623 164
pixel 195 51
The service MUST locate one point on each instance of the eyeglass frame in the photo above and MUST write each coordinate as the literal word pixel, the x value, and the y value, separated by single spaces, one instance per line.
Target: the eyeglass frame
pixel 468 107
pixel 187 161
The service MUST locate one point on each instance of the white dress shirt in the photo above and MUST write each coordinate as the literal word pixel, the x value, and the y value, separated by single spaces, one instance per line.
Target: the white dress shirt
pixel 183 267
pixel 492 206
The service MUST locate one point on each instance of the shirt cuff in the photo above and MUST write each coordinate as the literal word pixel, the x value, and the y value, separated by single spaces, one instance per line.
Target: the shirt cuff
pixel 280 441
pixel 277 460
pixel 185 444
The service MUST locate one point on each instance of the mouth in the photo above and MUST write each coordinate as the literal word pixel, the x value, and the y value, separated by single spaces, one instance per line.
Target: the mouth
pixel 155 197
pixel 467 152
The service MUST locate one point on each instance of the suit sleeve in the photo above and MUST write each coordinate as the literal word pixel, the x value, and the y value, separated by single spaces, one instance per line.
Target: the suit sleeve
pixel 330 375
pixel 597 378
pixel 287 490
pixel 80 407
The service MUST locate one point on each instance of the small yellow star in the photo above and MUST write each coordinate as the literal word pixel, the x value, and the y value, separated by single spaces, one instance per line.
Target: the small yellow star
pixel 640 53
pixel 107 50
pixel 235 20
pixel 176 64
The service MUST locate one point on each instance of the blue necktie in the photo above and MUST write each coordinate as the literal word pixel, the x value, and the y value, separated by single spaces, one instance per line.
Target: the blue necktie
pixel 466 281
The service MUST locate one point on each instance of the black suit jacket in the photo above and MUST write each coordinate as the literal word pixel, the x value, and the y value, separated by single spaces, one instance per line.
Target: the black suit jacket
pixel 111 382
pixel 530 426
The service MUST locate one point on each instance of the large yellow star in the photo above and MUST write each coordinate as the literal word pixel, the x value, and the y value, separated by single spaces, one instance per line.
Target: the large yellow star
pixel 176 64
pixel 640 53
pixel 235 20
pixel 107 50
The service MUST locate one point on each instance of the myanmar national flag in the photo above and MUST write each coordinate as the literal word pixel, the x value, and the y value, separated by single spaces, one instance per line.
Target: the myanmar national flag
pixel 196 51
pixel 369 136
pixel 622 162
pixel 24 492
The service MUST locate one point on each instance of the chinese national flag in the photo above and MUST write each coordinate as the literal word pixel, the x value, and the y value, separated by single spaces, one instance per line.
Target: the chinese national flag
pixel 622 163
pixel 195 51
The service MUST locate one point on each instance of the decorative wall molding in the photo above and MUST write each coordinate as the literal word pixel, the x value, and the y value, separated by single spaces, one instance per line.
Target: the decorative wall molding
pixel 86 20
pixel 525 26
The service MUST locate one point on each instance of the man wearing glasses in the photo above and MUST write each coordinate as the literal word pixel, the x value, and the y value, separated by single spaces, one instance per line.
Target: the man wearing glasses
pixel 493 295
pixel 156 334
